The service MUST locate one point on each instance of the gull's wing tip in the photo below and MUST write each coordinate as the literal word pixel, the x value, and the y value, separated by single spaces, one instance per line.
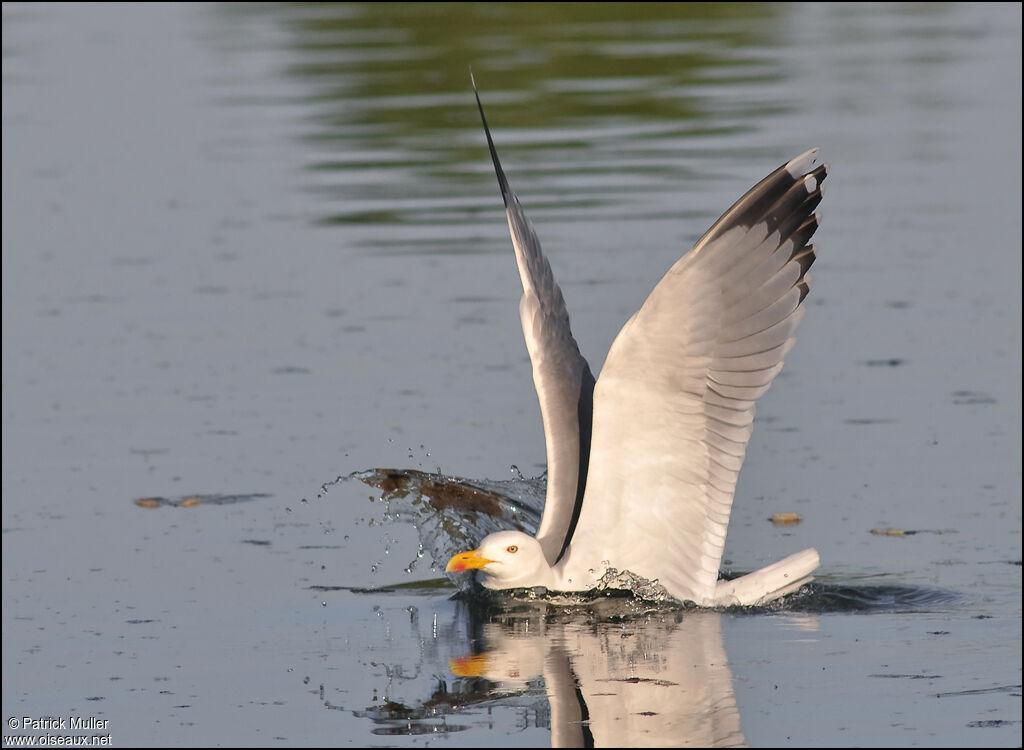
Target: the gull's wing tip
pixel 561 376
pixel 802 164
pixel 506 191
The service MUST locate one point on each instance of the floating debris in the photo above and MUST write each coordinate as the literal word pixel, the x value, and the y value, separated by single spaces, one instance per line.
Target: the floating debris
pixel 891 532
pixel 785 519
pixel 886 531
pixel 190 501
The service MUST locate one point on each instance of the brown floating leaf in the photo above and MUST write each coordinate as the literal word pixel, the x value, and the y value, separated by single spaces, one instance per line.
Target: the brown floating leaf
pixel 785 519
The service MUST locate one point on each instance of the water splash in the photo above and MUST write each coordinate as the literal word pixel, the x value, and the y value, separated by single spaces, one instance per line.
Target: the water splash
pixel 451 514
pixel 638 586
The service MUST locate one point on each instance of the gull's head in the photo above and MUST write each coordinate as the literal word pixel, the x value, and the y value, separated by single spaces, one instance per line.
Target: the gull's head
pixel 506 560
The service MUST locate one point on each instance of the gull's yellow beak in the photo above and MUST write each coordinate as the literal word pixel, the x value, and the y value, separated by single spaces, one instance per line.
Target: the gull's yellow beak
pixel 469 666
pixel 466 561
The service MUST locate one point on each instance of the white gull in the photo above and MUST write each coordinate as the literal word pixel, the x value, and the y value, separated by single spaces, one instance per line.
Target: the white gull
pixel 642 463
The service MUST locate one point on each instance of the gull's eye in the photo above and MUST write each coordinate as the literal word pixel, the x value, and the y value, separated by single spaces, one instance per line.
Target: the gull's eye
pixel 511 549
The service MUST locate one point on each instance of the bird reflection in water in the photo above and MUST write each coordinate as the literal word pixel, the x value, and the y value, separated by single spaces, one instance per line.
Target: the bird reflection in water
pixel 610 672
pixel 612 684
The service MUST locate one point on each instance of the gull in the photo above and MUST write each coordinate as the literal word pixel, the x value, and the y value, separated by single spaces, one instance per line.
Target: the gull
pixel 643 461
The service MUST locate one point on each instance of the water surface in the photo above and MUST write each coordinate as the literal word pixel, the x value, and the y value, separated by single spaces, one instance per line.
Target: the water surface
pixel 250 249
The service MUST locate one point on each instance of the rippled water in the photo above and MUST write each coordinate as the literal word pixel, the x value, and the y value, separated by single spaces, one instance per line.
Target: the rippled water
pixel 248 249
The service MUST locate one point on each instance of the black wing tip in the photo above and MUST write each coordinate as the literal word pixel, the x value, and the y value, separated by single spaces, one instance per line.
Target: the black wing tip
pixel 805 258
pixel 797 181
pixel 506 191
pixel 805 289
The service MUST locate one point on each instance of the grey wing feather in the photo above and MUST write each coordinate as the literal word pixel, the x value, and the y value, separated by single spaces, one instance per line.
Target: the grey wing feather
pixel 674 406
pixel 561 375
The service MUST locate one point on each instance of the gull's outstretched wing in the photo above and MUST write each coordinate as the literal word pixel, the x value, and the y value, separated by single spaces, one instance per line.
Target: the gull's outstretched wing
pixel 561 375
pixel 674 406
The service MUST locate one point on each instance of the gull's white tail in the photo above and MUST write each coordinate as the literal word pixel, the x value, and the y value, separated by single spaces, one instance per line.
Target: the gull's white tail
pixel 769 583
